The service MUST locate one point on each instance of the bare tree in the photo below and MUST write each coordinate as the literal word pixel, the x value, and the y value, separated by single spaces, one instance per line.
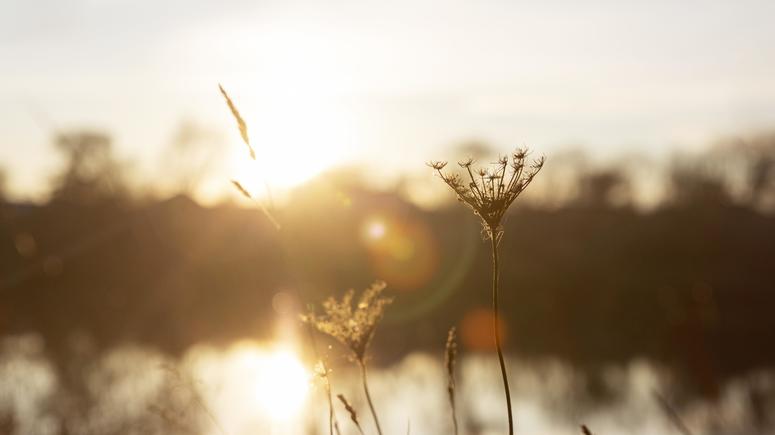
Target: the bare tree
pixel 192 153
pixel 91 172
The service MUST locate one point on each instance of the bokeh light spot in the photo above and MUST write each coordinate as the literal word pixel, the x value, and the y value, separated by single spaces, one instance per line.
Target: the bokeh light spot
pixel 375 229
pixel 25 245
pixel 403 252
pixel 476 330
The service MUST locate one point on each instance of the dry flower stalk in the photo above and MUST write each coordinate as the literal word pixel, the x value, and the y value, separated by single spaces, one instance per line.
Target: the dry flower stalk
pixel 490 193
pixel 323 373
pixel 354 326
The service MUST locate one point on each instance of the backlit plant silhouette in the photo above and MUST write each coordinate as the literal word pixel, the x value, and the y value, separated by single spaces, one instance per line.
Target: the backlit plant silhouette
pixel 490 193
pixel 243 130
pixel 354 327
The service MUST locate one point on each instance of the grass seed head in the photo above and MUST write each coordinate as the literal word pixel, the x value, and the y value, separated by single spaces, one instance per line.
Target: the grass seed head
pixel 450 353
pixel 351 411
pixel 241 124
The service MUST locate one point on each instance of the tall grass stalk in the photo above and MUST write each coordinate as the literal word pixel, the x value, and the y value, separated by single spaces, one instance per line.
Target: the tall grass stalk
pixel 450 357
pixel 351 411
pixel 243 129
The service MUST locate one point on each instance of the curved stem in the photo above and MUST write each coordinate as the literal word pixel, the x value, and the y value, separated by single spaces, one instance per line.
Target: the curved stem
pixel 496 324
pixel 368 396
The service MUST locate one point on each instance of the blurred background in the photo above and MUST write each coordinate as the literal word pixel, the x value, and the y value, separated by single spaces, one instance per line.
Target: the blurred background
pixel 140 293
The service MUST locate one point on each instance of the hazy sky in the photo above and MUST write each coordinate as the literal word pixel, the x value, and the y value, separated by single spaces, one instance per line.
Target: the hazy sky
pixel 390 83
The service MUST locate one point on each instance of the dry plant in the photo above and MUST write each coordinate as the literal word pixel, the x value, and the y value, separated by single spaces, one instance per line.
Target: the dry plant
pixel 243 129
pixel 450 357
pixel 351 411
pixel 354 328
pixel 585 430
pixel 490 193
pixel 323 373
pixel 184 382
pixel 671 413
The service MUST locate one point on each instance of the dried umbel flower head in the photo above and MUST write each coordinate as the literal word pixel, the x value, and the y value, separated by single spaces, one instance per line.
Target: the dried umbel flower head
pixel 352 325
pixel 489 192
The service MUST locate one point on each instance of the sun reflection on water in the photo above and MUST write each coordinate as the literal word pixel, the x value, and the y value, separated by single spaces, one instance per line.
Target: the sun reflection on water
pixel 277 381
pixel 262 388
pixel 253 386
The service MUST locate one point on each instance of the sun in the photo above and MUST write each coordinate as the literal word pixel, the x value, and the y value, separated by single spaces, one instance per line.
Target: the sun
pixel 294 140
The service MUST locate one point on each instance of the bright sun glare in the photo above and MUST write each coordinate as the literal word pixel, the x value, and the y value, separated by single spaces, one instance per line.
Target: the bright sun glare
pixel 294 141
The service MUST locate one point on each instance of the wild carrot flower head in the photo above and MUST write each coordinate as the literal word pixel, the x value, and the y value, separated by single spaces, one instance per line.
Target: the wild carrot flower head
pixel 353 326
pixel 489 192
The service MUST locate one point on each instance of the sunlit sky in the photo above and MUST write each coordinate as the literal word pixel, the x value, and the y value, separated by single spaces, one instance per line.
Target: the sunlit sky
pixel 385 84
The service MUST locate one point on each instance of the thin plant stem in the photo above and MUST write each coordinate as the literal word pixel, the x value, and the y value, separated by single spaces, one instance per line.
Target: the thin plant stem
pixel 330 412
pixel 368 396
pixel 454 418
pixel 450 355
pixel 494 236
pixel 332 423
pixel 671 413
pixel 454 412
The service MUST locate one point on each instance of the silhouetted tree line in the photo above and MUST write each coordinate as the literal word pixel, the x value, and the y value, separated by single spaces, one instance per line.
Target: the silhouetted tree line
pixel 594 280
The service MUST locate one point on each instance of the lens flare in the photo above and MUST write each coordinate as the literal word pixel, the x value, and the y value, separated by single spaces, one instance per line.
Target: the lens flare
pixel 403 252
pixel 375 229
pixel 295 138
pixel 476 330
